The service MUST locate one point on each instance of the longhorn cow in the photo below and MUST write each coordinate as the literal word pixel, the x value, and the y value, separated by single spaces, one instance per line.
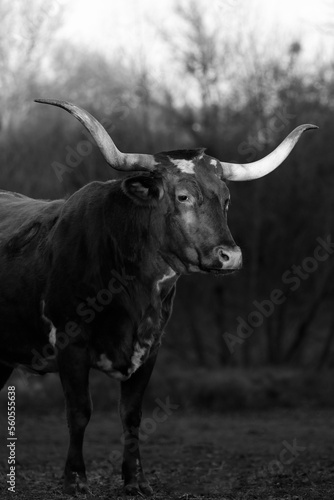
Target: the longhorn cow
pixel 89 281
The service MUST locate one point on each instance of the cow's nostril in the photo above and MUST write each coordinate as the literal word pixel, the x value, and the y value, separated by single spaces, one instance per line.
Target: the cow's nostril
pixel 224 256
pixel 229 257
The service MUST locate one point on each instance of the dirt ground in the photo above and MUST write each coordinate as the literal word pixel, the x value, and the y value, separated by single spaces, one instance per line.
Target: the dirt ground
pixel 283 454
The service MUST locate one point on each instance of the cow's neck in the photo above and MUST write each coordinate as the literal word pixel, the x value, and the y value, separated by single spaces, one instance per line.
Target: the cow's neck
pixel 137 247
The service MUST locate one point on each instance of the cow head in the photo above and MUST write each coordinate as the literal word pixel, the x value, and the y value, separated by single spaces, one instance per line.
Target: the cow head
pixel 190 188
pixel 193 202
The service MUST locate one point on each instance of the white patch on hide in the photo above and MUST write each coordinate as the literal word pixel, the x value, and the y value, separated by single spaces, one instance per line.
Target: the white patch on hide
pixel 185 166
pixel 214 162
pixel 52 336
pixel 53 329
pixel 165 277
pixel 104 363
pixel 137 356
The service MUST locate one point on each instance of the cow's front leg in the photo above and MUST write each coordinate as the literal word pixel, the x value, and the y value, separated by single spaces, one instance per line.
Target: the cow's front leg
pixel 74 373
pixel 132 392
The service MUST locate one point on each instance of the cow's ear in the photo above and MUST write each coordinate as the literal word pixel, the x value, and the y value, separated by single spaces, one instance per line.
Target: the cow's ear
pixel 143 189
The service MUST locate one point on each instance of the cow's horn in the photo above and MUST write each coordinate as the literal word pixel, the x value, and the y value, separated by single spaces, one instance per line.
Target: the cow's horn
pixel 260 168
pixel 114 157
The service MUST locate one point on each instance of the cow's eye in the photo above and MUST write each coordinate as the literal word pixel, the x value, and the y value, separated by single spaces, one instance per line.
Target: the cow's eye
pixel 183 198
pixel 227 204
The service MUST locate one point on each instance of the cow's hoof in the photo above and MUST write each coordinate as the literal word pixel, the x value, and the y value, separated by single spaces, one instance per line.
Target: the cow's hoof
pixel 69 489
pixel 83 488
pixel 76 485
pixel 142 488
pixel 146 489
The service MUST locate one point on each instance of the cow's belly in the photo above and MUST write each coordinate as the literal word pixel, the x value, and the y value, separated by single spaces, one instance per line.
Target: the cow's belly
pixel 122 345
pixel 122 351
pixel 118 355
pixel 24 338
pixel 20 350
pixel 118 345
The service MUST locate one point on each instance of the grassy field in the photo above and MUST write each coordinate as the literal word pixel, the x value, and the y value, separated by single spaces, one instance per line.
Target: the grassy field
pixel 190 456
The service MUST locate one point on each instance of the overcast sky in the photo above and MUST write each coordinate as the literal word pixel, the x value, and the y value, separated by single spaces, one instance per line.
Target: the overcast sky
pixel 110 24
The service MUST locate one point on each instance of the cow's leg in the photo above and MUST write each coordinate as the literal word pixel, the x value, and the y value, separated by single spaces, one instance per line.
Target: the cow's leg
pixel 132 392
pixel 5 373
pixel 74 373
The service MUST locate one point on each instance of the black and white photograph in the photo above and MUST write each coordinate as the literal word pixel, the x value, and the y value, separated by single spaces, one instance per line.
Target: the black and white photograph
pixel 167 249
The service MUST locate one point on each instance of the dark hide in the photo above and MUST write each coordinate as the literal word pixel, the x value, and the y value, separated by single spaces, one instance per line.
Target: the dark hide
pixel 88 282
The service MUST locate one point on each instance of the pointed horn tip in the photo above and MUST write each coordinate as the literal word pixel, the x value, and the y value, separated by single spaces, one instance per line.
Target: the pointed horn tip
pixel 55 102
pixel 43 101
pixel 309 126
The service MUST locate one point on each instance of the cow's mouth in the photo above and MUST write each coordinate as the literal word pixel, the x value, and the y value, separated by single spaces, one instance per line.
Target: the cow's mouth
pixel 221 261
pixel 181 266
pixel 220 272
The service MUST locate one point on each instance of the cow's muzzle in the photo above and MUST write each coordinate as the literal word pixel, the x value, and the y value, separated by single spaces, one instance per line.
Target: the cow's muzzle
pixel 229 257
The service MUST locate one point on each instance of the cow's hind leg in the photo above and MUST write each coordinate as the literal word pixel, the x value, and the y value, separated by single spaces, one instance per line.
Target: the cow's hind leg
pixel 74 374
pixel 132 392
pixel 5 373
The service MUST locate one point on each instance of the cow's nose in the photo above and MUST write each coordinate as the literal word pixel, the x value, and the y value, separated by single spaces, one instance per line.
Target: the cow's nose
pixel 231 258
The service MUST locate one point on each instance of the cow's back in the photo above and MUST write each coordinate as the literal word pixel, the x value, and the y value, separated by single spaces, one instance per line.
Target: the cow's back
pixel 18 211
pixel 24 226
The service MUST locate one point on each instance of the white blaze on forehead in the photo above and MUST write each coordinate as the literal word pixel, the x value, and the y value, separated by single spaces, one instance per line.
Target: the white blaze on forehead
pixel 215 163
pixel 170 274
pixel 185 166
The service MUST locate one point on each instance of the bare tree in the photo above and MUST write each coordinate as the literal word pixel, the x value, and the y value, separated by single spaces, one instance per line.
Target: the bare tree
pixel 27 32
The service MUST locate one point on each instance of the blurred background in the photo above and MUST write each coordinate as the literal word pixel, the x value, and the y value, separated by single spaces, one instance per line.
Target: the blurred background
pixel 235 77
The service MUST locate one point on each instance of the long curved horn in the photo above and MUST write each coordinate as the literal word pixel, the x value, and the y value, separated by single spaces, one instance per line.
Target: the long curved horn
pixel 112 155
pixel 260 168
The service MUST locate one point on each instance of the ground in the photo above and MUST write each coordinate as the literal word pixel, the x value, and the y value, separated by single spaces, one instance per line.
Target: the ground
pixel 270 455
